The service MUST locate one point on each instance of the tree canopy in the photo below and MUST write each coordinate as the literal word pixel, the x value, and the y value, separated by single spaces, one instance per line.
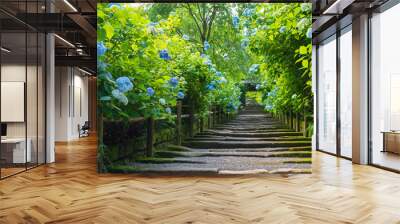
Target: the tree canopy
pixel 155 54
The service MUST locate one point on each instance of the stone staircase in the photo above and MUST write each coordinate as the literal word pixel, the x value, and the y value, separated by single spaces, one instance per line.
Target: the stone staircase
pixel 253 142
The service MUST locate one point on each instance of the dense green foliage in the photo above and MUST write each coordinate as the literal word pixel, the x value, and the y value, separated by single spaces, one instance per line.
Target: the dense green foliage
pixel 280 40
pixel 149 57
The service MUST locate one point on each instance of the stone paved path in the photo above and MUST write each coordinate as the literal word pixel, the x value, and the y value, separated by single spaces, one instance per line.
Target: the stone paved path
pixel 254 142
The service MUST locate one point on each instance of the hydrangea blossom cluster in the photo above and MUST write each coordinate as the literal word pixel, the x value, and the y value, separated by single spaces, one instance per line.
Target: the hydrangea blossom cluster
pixel 124 84
pixel 244 43
pixel 206 45
pixel 258 86
pixel 185 37
pixel 101 49
pixel 211 86
pixel 152 28
pixel 114 5
pixel 282 29
pixel 269 107
pixel 150 91
pixel 120 96
pixel 273 92
pixel 253 68
pixel 309 33
pixel 174 82
pixel 168 110
pixel 248 12
pixel 164 54
pixel 181 95
pixel 162 101
pixel 235 22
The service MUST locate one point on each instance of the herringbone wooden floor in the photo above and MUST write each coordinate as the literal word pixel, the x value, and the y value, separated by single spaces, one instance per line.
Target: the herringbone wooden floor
pixel 70 191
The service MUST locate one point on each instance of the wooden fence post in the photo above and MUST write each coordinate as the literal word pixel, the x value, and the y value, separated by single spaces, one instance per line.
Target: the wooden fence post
pixel 201 124
pixel 305 124
pixel 150 136
pixel 178 122
pixel 191 120
pixel 221 116
pixel 290 120
pixel 209 116
pixel 214 116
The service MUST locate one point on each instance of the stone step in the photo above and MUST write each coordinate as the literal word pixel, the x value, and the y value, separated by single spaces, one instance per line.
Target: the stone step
pixel 278 149
pixel 253 135
pixel 221 138
pixel 237 144
pixel 233 128
pixel 265 154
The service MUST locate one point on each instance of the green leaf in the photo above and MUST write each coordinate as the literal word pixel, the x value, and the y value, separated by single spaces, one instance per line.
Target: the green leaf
pixel 304 63
pixel 303 50
pixel 109 29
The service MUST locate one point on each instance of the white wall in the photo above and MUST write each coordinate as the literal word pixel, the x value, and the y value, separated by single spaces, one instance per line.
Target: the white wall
pixel 71 102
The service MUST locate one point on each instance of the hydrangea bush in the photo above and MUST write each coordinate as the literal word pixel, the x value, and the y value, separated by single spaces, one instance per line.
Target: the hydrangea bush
pixel 145 67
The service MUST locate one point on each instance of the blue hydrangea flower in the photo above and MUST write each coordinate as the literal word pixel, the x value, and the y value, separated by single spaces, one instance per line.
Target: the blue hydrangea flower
pixel 124 84
pixel 235 22
pixel 174 82
pixel 206 45
pixel 253 31
pixel 210 87
pixel 164 54
pixel 101 49
pixel 162 101
pixel 268 107
pixel 185 37
pixel 309 33
pixel 180 95
pixel 119 96
pixel 152 24
pixel 254 68
pixel 168 110
pixel 282 29
pixel 258 86
pixel 226 57
pixel 219 74
pixel 101 66
pixel 247 12
pixel 150 91
pixel 244 43
pixel 214 70
pixel 111 5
